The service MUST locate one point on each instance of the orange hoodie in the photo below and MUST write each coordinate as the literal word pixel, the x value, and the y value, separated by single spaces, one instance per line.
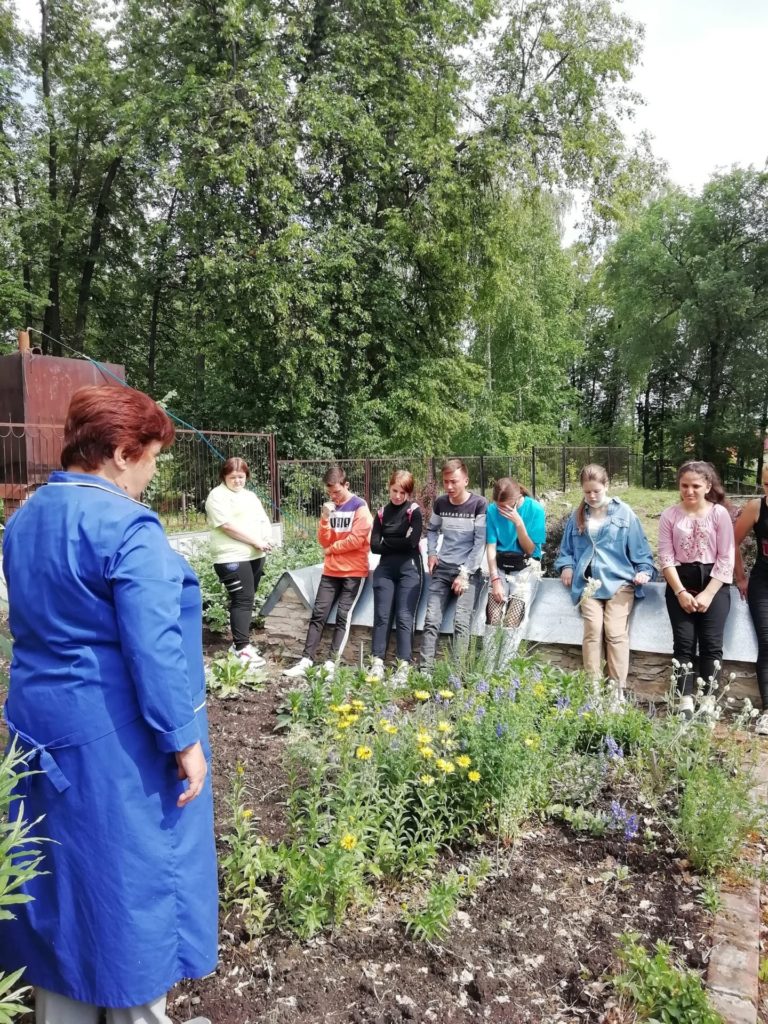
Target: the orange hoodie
pixel 346 538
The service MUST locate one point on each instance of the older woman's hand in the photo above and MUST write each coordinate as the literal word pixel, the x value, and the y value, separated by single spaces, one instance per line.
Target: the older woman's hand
pixel 193 767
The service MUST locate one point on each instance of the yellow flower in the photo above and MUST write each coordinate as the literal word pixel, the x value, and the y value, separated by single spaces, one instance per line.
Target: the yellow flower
pixel 344 724
pixel 423 737
pixel 351 719
pixel 449 744
pixel 444 727
pixel 445 766
pixel 348 841
pixel 247 814
pixel 341 709
pixel 363 753
pixel 240 769
pixel 463 761
pixel 389 728
pixel 333 707
pixel 426 752
pixel 358 705
pixel 539 690
pixel 421 694
pixel 446 694
pixel 428 780
pixel 473 776
pixel 532 742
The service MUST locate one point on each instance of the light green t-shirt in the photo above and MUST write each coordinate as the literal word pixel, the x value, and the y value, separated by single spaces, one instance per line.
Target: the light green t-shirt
pixel 243 510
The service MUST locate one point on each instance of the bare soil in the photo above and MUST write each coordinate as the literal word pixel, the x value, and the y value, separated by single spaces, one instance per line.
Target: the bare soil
pixel 535 943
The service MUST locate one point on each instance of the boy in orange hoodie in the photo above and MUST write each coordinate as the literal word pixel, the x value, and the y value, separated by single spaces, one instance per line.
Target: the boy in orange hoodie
pixel 344 532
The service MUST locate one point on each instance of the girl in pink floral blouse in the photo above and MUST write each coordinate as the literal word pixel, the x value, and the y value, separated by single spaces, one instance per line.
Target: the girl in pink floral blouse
pixel 696 555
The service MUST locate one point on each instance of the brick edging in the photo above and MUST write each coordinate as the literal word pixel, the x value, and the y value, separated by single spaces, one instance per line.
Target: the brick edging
pixel 734 962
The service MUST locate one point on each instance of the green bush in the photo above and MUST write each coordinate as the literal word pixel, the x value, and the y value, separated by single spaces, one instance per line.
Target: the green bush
pixel 660 990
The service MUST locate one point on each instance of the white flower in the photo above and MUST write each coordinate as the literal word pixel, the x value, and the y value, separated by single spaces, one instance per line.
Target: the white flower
pixel 592 586
pixel 754 713
pixel 675 663
pixel 732 675
pixel 716 663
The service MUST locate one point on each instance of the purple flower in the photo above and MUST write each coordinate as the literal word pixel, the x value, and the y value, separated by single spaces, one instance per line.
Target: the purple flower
pixel 618 815
pixel 631 827
pixel 584 709
pixel 437 698
pixel 612 748
pixel 563 703
pixel 536 675
pixel 500 729
pixel 389 712
pixel 513 688
pixel 479 714
pixel 455 682
pixel 498 693
pixel 468 704
pixel 482 686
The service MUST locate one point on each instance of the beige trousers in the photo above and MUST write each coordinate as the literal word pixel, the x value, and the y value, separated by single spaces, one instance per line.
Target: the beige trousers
pixel 51 1008
pixel 608 620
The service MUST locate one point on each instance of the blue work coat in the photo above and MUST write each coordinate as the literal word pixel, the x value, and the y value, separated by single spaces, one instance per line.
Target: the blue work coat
pixel 107 682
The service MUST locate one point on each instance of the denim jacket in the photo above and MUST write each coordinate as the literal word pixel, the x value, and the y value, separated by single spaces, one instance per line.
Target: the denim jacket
pixel 618 552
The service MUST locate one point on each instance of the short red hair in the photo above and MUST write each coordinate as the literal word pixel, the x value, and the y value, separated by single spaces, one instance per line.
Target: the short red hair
pixel 104 417
pixel 234 465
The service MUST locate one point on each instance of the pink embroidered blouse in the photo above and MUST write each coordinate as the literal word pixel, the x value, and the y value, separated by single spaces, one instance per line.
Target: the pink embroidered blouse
pixel 684 538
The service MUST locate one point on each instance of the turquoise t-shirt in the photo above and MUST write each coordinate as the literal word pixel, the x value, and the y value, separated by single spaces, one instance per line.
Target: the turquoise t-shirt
pixel 502 532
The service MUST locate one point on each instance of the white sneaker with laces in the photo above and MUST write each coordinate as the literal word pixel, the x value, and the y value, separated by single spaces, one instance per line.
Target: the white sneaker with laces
pixel 250 656
pixel 329 667
pixel 376 671
pixel 299 670
pixel 401 673
pixel 761 725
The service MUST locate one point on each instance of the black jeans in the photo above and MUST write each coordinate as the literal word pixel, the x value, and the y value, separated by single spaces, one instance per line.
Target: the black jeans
pixel 348 590
pixel 241 580
pixel 757 596
pixel 697 630
pixel 397 583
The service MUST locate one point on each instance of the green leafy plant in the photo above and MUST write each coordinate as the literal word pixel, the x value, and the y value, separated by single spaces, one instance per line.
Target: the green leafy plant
pixel 658 989
pixel 228 675
pixel 20 859
pixel 710 897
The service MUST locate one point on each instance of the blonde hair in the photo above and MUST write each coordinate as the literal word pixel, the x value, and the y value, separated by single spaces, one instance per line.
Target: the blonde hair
pixel 589 473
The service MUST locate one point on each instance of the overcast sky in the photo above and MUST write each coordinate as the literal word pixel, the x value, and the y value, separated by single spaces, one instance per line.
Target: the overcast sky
pixel 704 77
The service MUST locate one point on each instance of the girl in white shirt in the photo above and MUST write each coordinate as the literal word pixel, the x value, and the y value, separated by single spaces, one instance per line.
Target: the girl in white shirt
pixel 241 536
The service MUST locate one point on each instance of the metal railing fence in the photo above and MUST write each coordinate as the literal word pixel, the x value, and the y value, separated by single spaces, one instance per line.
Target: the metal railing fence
pixel 186 472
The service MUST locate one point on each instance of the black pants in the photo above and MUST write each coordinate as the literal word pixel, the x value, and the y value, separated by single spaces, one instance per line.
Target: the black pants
pixel 697 630
pixel 241 580
pixel 348 590
pixel 397 583
pixel 757 596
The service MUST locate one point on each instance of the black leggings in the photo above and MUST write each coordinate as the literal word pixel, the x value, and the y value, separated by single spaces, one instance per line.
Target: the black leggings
pixel 397 583
pixel 757 596
pixel 702 630
pixel 241 580
pixel 348 590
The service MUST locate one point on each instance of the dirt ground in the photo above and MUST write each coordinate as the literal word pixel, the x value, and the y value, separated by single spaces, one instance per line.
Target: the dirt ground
pixel 533 944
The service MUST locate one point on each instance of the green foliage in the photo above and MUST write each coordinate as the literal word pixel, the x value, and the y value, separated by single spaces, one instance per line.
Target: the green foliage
pixel 710 897
pixel 214 596
pixel 228 675
pixel 440 901
pixel 287 213
pixel 658 990
pixel 20 859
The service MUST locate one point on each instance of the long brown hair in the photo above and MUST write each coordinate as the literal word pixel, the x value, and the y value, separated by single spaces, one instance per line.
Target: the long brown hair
pixel 507 488
pixel 716 492
pixel 590 472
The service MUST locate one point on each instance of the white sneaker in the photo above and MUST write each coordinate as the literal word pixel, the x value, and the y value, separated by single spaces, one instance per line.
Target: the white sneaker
pixel 299 670
pixel 401 673
pixel 685 708
pixel 376 671
pixel 761 725
pixel 249 655
pixel 329 667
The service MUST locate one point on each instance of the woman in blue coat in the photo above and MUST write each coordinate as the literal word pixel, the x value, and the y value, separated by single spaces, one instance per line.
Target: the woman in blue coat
pixel 107 697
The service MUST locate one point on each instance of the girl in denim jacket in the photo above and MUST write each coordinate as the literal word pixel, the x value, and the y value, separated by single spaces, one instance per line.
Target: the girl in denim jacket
pixel 605 559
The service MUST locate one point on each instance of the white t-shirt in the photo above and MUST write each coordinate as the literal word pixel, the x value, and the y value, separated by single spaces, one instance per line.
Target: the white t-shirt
pixel 243 510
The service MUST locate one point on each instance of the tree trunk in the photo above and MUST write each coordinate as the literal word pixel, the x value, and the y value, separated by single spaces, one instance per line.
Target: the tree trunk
pixel 100 218
pixel 52 315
